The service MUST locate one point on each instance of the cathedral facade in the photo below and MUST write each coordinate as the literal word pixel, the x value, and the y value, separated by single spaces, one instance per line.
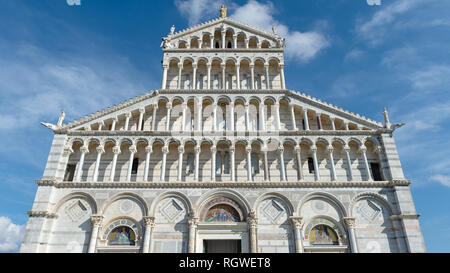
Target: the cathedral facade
pixel 223 158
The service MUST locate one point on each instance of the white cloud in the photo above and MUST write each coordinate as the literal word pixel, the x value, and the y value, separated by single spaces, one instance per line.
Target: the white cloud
pixel 48 84
pixel 443 179
pixel 354 54
pixel 11 235
pixel 302 46
pixel 374 30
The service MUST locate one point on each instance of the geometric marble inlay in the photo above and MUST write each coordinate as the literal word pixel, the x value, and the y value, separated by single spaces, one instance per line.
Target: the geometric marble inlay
pixel 369 210
pixel 319 206
pixel 272 210
pixel 126 206
pixel 76 210
pixel 171 210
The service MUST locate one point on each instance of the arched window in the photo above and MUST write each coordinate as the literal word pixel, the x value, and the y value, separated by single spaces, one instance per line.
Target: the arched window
pixel 229 45
pixel 222 213
pixel 323 235
pixel 122 236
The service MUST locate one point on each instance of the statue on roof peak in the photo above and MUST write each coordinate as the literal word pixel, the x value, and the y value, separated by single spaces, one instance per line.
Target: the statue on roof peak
pixel 223 11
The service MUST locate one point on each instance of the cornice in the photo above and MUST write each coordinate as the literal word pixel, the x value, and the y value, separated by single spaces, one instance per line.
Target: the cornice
pixel 223 50
pixel 405 216
pixel 210 185
pixel 43 214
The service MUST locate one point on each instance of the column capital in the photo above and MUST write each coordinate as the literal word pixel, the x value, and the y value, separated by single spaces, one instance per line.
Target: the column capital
pixel 155 105
pixel 116 119
pixel 194 66
pixel 192 220
pixel 128 115
pixel 149 221
pixel 67 151
pixel 349 222
pixel 84 150
pixel 141 110
pixel 96 220
pixel 133 149
pixel 280 150
pixel 313 148
pixel 252 220
pixel 378 150
pixel 165 66
pixel 180 66
pixel 213 149
pixel 362 149
pixel 149 149
pixel 248 149
pixel 181 149
pixel 296 222
pixel 197 149
pixel 116 150
pixel 232 149
pixel 165 150
pixel 347 149
pixel 298 148
pixel 100 149
pixel 169 105
pixel 330 148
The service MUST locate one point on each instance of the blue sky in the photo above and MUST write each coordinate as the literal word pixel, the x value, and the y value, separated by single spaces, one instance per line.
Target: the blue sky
pixel 360 57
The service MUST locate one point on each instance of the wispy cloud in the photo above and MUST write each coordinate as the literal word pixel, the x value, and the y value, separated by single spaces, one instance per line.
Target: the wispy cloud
pixel 11 235
pixel 301 46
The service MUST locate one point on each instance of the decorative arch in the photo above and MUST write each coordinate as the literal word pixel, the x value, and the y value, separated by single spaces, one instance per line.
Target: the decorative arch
pixel 122 231
pixel 371 195
pixel 82 195
pixel 283 199
pixel 231 195
pixel 126 195
pixel 169 194
pixel 323 195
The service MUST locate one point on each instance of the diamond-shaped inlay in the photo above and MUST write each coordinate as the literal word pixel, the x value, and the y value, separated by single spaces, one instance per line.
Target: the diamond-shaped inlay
pixel 369 210
pixel 171 210
pixel 272 210
pixel 76 210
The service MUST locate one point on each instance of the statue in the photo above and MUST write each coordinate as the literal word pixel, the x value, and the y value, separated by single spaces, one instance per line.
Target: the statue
pixel 166 43
pixel 172 30
pixel 274 30
pixel 387 123
pixel 58 125
pixel 281 42
pixel 61 118
pixel 223 11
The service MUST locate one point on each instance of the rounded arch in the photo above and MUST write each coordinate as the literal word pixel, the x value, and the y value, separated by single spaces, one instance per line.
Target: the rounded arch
pixel 174 59
pixel 155 140
pixel 259 59
pixel 169 194
pixel 336 226
pixel 307 140
pixel 80 140
pixel 339 140
pixel 128 140
pixel 372 139
pixel 278 196
pixel 231 194
pixel 241 59
pixel 82 195
pixel 356 140
pixel 270 98
pixel 371 195
pixel 289 140
pixel 323 195
pixel 144 140
pixel 177 98
pixel 135 197
pixel 224 97
pixel 232 59
pixel 93 140
pixel 188 59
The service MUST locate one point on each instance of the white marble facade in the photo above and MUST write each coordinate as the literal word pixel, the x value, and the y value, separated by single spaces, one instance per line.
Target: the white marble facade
pixel 223 134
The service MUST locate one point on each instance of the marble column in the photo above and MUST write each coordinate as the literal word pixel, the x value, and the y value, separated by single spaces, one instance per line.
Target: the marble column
pixel 232 117
pixel 83 151
pixel 127 121
pixel 305 119
pixel 252 70
pixel 298 153
pixel 363 151
pixel 266 165
pixel 213 163
pixel 283 81
pixel 141 119
pixel 148 151
pixel 247 117
pixel 248 149
pixel 319 121
pixel 349 162
pixel 149 226
pixel 114 123
pixel 316 165
pixel 333 126
pixel 232 165
pixel 165 151
pixel 208 66
pixel 234 41
pixel 266 67
pixel 330 150
pixel 214 127
pixel 133 151
pixel 224 83
pixel 277 113
pixel 294 125
pixel 96 223
pixel 100 125
pixel 350 223
pixel 100 150
pixel 164 78
pixel 180 162
pixel 252 222
pixel 169 108
pixel 378 151
pixel 238 76
pixel 296 223
pixel 200 116
pixel 282 166
pixel 180 70
pixel 194 76
pixel 116 151
pixel 197 162
pixel 192 225
pixel 223 39
pixel 155 107
pixel 346 126
pixel 262 117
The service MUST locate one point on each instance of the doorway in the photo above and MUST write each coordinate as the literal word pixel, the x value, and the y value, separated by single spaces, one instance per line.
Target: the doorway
pixel 222 246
